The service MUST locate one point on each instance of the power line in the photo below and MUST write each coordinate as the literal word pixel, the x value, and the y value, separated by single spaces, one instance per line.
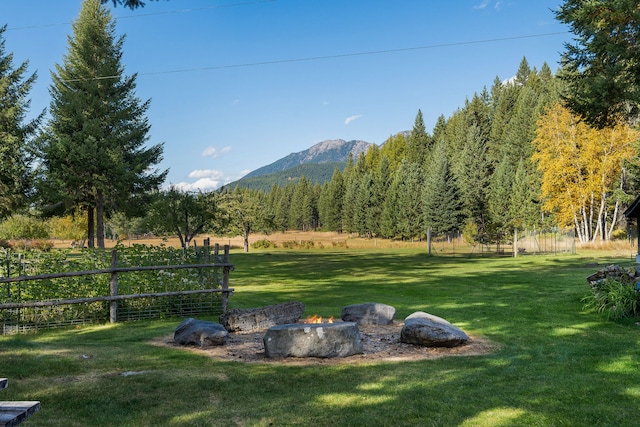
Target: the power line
pixel 342 55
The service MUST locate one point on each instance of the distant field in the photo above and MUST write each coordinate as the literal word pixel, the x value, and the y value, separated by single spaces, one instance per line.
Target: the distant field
pixel 322 239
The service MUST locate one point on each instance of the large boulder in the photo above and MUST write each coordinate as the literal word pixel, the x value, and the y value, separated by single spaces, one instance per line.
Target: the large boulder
pixel 371 313
pixel 201 333
pixel 313 340
pixel 250 319
pixel 431 331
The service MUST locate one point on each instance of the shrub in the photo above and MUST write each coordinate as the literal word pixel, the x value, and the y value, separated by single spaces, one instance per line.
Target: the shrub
pixel 19 226
pixel 263 244
pixel 615 298
pixel 302 244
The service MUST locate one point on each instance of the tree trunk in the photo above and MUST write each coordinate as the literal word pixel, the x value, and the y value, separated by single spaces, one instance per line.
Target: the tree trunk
pixel 90 230
pixel 246 240
pixel 100 219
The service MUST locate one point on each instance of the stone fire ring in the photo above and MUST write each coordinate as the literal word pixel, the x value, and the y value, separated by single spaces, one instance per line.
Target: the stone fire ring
pixel 340 339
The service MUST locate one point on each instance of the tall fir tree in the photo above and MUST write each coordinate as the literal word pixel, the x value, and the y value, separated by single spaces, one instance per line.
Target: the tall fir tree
pixel 330 203
pixel 15 132
pixel 93 151
pixel 441 205
pixel 472 173
pixel 419 142
pixel 409 201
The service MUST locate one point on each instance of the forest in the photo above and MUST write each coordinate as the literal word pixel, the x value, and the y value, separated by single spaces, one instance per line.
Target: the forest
pixel 511 158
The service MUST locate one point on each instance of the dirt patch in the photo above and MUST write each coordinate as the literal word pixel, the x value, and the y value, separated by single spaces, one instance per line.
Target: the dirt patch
pixel 381 343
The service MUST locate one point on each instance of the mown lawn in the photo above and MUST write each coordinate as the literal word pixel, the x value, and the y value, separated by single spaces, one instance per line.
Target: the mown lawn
pixel 555 365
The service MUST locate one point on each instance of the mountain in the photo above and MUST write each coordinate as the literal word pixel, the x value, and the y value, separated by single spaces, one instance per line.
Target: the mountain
pixel 316 163
pixel 330 151
pixel 315 172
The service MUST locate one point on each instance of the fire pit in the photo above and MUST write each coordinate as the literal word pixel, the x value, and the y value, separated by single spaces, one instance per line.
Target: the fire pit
pixel 339 339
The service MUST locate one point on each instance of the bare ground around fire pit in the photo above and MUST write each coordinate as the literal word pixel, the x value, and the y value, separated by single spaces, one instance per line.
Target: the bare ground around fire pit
pixel 381 343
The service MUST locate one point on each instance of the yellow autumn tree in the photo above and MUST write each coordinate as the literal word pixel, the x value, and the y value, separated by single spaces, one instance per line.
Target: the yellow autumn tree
pixel 581 169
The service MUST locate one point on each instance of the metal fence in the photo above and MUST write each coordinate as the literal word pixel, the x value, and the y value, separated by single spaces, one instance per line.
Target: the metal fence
pixel 531 242
pixel 113 293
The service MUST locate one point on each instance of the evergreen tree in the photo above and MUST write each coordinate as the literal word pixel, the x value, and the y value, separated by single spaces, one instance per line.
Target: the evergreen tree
pixel 524 206
pixel 299 211
pixel 503 100
pixel 601 69
pixel 499 195
pixel 15 134
pixel 394 148
pixel 93 150
pixel 389 215
pixel 330 203
pixel 440 196
pixel 280 201
pixel 409 201
pixel 472 174
pixel 362 212
pixel 419 143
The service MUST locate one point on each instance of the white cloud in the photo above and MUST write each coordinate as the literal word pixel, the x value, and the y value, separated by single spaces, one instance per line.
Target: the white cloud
pixel 483 4
pixel 206 173
pixel 352 119
pixel 212 151
pixel 203 184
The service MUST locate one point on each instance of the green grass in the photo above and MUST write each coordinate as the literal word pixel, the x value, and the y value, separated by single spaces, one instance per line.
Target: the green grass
pixel 555 364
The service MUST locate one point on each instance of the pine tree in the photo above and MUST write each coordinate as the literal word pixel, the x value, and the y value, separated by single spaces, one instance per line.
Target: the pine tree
pixel 94 148
pixel 394 148
pixel 472 173
pixel 419 143
pixel 524 206
pixel 389 216
pixel 299 212
pixel 602 68
pixel 15 134
pixel 330 203
pixel 499 195
pixel 409 200
pixel 440 195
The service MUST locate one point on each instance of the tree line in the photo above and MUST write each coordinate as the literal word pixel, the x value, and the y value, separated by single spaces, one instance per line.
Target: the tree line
pixel 538 150
pixel 512 158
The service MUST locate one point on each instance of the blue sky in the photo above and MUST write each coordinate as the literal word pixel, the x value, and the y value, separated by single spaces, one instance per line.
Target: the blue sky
pixel 238 84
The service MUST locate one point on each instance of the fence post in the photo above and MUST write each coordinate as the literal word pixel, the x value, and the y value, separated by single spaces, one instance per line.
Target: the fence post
pixel 225 280
pixel 113 288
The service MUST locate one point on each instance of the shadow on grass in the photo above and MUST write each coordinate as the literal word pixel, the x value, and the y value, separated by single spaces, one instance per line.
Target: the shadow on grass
pixel 557 365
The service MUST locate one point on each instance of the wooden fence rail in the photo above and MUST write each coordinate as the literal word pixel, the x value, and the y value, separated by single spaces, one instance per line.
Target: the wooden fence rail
pixel 114 297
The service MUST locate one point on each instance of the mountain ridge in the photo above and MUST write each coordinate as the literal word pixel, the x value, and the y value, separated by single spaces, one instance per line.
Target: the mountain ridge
pixel 327 151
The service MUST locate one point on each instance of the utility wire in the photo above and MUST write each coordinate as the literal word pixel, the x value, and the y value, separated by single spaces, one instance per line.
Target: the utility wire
pixel 343 55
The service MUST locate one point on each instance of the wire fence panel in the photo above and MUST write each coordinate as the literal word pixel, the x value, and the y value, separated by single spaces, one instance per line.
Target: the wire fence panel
pixel 549 241
pixel 114 289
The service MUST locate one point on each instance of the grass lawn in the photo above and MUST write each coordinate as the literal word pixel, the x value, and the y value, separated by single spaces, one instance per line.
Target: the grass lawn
pixel 555 365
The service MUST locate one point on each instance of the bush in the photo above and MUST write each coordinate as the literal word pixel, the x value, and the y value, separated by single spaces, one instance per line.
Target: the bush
pixel 615 298
pixel 19 226
pixel 27 245
pixel 302 244
pixel 263 244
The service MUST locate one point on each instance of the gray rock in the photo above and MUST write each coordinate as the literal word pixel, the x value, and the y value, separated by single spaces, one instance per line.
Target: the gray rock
pixel 313 340
pixel 371 313
pixel 431 331
pixel 201 333
pixel 250 319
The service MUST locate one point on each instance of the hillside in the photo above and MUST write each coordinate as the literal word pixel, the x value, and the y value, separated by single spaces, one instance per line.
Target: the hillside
pixel 316 163
pixel 315 172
